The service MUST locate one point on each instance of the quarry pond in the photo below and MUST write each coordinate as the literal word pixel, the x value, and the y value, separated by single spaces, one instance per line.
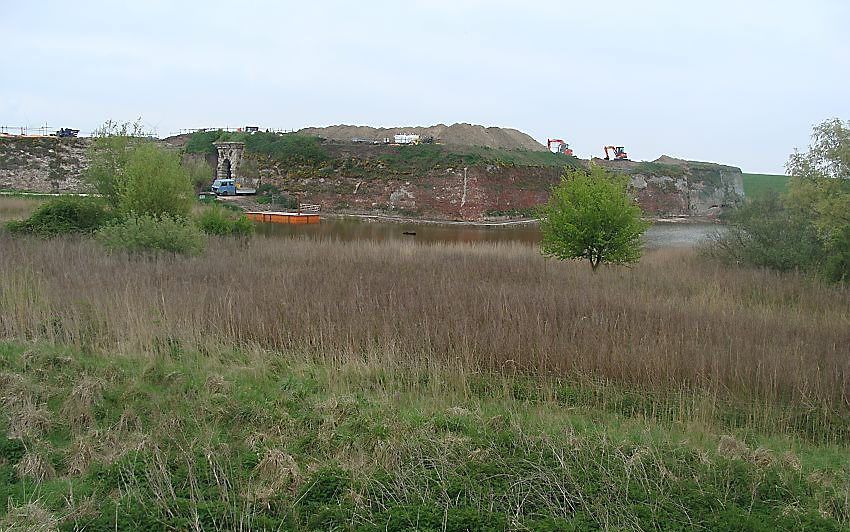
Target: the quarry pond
pixel 660 235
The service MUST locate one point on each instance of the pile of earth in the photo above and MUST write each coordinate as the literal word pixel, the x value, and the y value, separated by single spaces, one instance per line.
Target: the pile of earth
pixel 456 134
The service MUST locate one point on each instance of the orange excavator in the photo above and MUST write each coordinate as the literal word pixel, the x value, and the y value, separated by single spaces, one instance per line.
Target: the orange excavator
pixel 619 153
pixel 559 146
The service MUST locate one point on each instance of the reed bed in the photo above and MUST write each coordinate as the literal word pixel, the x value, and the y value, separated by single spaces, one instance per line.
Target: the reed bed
pixel 16 208
pixel 675 320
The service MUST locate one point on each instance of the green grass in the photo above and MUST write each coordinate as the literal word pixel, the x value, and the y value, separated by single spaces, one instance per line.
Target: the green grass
pixel 424 157
pixel 757 185
pixel 281 147
pixel 404 159
pixel 175 439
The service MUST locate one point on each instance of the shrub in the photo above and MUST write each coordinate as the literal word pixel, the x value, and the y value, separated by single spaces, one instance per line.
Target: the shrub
pixel 217 221
pixel 280 147
pixel 200 173
pixel 202 142
pixel 269 194
pixel 108 153
pixel 135 174
pixel 64 215
pixel 155 183
pixel 146 233
pixel 765 233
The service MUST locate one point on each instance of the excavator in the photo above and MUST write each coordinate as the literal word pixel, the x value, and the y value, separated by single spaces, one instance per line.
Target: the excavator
pixel 619 153
pixel 559 146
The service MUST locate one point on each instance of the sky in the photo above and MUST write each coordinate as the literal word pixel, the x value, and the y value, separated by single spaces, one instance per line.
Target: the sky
pixel 737 82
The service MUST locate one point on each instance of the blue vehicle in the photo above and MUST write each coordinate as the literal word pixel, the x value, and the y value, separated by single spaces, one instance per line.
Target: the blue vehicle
pixel 229 187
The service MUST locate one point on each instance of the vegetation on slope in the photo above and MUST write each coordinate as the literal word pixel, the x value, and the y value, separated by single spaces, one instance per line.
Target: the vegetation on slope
pixel 291 147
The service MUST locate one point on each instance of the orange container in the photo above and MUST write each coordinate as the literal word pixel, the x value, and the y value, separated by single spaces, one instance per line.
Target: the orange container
pixel 283 217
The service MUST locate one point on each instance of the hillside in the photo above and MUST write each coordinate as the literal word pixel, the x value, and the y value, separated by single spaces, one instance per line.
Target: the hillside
pixel 454 135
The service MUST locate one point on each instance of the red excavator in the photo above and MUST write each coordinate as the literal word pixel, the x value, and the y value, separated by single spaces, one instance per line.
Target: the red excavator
pixel 559 146
pixel 619 153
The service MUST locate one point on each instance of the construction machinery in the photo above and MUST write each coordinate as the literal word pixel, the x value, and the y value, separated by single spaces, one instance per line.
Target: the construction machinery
pixel 66 132
pixel 619 153
pixel 559 146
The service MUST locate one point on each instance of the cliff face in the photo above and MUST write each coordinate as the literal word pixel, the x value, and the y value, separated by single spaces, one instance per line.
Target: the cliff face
pixel 42 164
pixel 669 186
pixel 474 192
pixel 362 183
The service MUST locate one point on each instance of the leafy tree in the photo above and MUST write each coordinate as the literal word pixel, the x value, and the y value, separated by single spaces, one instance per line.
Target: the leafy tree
pixel 590 215
pixel 820 191
pixel 108 154
pixel 154 182
pixel 135 174
pixel 808 228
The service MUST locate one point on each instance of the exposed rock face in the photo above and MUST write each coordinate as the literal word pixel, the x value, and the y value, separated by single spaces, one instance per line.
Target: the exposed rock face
pixel 476 192
pixel 669 186
pixel 663 187
pixel 42 164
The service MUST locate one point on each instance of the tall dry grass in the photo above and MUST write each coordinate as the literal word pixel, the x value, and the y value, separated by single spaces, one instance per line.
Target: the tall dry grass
pixel 17 208
pixel 673 320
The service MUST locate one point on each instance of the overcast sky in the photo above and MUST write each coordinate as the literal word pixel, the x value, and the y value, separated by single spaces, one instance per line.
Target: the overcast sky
pixel 736 82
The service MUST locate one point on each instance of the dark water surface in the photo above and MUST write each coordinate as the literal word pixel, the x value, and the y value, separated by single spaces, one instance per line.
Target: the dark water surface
pixel 660 235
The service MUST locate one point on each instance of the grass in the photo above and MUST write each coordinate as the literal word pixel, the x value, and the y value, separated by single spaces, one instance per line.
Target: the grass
pixel 18 207
pixel 756 185
pixel 267 440
pixel 296 384
pixel 423 157
pixel 404 159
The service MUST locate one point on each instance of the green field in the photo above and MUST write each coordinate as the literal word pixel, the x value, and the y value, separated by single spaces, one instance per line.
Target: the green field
pixel 756 185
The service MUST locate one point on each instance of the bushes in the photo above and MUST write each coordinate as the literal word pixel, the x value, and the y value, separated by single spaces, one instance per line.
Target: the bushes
pixel 806 228
pixel 200 173
pixel 764 233
pixel 202 141
pixel 154 182
pixel 135 174
pixel 280 147
pixel 271 195
pixel 144 232
pixel 64 215
pixel 216 221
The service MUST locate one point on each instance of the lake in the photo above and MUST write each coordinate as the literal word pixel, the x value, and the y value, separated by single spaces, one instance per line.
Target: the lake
pixel 660 235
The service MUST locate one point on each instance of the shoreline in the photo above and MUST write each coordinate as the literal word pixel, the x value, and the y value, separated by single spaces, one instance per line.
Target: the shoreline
pixel 680 220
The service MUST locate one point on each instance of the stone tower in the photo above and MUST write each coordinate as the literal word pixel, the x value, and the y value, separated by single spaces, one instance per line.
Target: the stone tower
pixel 229 160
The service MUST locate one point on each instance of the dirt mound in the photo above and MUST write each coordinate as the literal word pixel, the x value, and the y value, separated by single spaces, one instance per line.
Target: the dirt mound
pixel 666 159
pixel 456 134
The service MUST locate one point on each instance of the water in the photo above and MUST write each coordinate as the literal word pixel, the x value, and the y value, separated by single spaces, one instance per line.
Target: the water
pixel 660 235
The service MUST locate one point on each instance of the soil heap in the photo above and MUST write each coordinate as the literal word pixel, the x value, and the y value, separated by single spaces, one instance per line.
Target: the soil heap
pixel 456 134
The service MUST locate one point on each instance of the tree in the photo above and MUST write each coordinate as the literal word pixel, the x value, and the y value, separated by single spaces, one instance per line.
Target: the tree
pixel 590 215
pixel 110 148
pixel 135 174
pixel 155 183
pixel 808 228
pixel 820 191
